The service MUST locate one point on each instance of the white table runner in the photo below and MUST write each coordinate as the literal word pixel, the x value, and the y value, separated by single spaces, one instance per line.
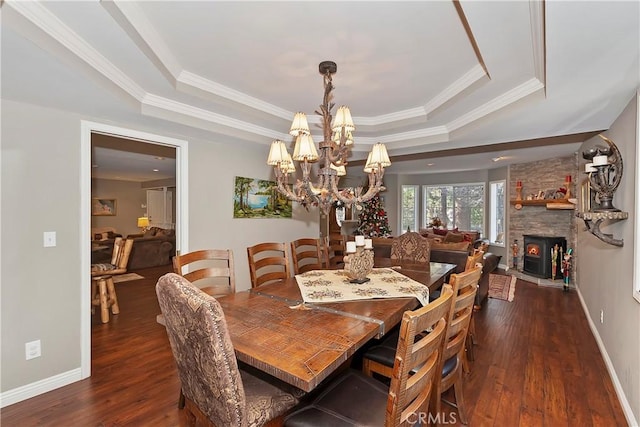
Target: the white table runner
pixel 333 285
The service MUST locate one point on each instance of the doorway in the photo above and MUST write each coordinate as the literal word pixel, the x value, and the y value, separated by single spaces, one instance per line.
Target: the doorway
pixel 89 129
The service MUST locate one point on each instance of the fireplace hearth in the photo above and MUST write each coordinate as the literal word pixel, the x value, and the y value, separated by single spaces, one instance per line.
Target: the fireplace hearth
pixel 538 254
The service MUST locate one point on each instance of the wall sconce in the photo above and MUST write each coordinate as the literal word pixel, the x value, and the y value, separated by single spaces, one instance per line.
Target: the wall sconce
pixel 605 173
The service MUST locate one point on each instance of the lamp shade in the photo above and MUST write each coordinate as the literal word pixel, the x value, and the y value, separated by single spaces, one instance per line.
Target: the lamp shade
pixel 299 125
pixel 340 170
pixel 379 156
pixel 343 120
pixel 287 165
pixel 278 153
pixel 143 221
pixel 368 167
pixel 305 149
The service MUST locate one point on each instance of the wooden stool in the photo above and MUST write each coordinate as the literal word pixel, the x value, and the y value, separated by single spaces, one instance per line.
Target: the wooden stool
pixel 103 294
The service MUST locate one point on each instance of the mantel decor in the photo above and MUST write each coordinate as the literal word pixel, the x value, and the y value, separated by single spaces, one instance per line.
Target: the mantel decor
pixel 334 150
pixel 605 173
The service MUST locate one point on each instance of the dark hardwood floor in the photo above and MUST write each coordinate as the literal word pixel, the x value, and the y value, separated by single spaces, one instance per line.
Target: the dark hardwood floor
pixel 536 364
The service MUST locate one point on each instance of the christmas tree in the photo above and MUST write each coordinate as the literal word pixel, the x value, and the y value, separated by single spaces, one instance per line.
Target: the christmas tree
pixel 373 220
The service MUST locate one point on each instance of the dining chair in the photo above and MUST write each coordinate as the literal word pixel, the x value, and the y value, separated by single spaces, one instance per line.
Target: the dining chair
pixel 380 358
pixel 411 247
pixel 216 391
pixel 308 254
pixel 103 290
pixel 336 247
pixel 211 270
pixel 354 399
pixel 268 262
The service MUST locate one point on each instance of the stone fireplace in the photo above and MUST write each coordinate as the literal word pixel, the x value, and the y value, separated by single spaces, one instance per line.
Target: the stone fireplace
pixel 538 255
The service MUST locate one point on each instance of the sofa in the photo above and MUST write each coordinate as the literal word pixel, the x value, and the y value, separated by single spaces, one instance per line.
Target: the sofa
pixel 454 254
pixel 153 248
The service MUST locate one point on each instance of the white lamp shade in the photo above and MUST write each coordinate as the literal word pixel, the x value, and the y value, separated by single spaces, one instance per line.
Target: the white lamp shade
pixel 589 168
pixel 340 170
pixel 368 167
pixel 379 156
pixel 287 165
pixel 278 153
pixel 299 125
pixel 343 120
pixel 305 149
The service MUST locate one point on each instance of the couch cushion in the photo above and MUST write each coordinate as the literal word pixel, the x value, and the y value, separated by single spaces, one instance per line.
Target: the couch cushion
pixel 460 246
pixel 453 237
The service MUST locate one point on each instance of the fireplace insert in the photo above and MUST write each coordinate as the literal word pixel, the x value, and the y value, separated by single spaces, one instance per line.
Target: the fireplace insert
pixel 538 255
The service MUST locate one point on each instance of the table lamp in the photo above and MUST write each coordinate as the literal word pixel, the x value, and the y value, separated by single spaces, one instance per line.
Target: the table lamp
pixel 143 223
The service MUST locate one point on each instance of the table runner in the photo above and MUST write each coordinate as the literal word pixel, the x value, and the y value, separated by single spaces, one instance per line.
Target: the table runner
pixel 333 285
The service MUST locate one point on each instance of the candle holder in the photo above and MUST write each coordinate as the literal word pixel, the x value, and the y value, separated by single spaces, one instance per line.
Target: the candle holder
pixel 519 190
pixel 605 173
pixel 358 264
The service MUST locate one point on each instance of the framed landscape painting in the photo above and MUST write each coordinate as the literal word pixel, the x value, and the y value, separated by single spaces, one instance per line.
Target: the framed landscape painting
pixel 257 198
pixel 103 207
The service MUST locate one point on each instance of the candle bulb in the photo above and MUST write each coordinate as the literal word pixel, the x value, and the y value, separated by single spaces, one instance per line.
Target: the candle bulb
pixel 351 247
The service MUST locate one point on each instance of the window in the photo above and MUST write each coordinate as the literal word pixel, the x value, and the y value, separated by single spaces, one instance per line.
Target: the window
pixel 496 214
pixel 409 216
pixel 458 206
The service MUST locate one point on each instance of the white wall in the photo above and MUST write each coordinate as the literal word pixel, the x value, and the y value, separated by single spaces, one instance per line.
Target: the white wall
pixel 40 287
pixel 605 273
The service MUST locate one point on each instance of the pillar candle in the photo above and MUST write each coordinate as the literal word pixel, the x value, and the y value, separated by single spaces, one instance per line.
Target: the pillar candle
pixel 368 244
pixel 567 178
pixel 359 240
pixel 588 167
pixel 351 247
pixel 600 160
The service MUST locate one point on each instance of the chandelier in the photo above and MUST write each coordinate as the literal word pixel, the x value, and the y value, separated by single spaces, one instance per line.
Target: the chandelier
pixel 332 159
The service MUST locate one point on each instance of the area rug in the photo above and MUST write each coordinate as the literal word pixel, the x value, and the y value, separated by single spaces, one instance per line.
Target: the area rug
pixel 502 286
pixel 126 277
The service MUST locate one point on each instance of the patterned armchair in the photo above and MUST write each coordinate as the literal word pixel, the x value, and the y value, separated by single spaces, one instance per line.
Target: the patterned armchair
pixel 215 389
pixel 412 247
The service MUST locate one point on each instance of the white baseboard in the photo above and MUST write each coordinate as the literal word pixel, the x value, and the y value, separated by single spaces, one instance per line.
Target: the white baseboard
pixel 39 387
pixel 626 408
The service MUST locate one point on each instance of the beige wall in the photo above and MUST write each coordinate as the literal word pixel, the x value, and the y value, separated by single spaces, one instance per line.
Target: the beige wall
pixel 605 272
pixel 130 196
pixel 41 287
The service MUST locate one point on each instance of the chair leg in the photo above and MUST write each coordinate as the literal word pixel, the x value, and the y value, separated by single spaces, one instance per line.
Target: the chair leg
pixel 113 298
pixel 104 303
pixel 457 389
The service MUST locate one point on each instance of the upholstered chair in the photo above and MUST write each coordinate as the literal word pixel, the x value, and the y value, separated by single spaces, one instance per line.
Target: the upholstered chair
pixel 216 391
pixel 411 247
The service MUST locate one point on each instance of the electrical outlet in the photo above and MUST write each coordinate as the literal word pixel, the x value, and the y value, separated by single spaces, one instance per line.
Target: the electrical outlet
pixel 32 350
pixel 601 316
pixel 49 238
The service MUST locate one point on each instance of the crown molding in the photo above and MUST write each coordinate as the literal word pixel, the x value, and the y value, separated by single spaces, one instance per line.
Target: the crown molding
pixel 538 34
pixel 527 88
pixel 456 88
pixel 42 18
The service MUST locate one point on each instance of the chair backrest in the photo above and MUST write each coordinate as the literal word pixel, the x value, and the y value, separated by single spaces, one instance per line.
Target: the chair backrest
pixel 421 353
pixel 211 270
pixel 268 262
pixel 412 247
pixel 121 251
pixel 462 309
pixel 203 351
pixel 336 246
pixel 474 259
pixel 307 255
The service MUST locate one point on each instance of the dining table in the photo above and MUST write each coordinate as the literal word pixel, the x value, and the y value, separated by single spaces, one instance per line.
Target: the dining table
pixel 272 329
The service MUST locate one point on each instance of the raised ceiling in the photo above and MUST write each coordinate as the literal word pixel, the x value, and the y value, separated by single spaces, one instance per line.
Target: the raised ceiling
pixel 420 76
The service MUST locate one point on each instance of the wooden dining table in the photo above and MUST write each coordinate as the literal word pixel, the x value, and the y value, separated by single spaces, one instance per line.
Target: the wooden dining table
pixel 273 330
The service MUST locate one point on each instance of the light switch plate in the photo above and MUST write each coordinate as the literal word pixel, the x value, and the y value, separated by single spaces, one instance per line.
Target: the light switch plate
pixel 49 239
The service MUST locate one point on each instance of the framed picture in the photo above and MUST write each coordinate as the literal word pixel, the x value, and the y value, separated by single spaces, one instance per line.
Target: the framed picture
pixel 257 198
pixel 103 207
